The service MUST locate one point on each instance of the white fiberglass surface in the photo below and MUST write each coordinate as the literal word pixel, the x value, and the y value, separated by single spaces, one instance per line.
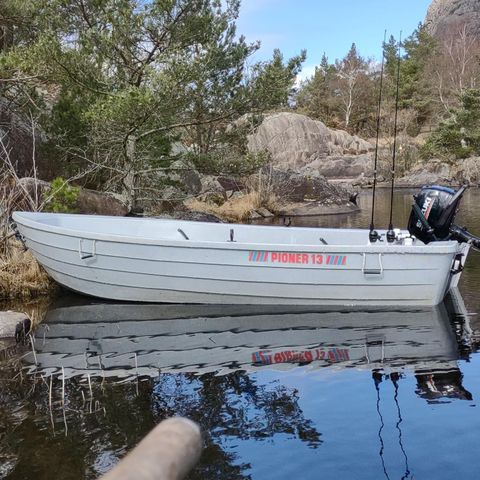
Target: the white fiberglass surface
pixel 197 231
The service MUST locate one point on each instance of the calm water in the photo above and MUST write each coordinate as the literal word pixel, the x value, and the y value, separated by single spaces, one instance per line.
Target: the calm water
pixel 280 393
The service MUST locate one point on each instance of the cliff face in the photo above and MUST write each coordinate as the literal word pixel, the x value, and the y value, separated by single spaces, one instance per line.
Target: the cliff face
pixel 446 17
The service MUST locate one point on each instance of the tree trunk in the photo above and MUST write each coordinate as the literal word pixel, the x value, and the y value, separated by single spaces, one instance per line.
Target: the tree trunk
pixel 130 179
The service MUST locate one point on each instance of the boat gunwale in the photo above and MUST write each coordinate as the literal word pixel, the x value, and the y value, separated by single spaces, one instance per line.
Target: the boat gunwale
pixel 450 246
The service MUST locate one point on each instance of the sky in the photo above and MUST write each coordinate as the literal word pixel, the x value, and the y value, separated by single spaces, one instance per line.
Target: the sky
pixel 329 26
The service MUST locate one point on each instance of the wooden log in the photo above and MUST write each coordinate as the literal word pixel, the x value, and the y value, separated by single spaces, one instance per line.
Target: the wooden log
pixel 168 452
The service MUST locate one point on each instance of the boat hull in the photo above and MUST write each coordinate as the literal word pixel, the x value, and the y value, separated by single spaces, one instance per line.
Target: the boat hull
pixel 183 271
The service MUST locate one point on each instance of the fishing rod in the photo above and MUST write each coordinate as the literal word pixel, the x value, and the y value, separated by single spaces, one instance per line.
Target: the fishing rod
pixel 391 234
pixel 373 235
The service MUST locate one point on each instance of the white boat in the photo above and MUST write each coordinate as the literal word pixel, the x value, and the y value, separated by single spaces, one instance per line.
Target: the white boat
pixel 173 261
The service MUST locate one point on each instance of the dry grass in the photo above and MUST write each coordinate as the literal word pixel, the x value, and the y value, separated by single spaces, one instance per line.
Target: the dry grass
pixel 236 209
pixel 21 276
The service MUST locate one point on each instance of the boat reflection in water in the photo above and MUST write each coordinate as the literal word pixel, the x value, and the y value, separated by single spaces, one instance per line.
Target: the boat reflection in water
pixel 125 340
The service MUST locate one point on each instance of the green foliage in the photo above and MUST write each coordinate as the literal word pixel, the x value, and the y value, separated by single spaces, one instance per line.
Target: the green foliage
pixel 115 84
pixel 341 94
pixel 458 137
pixel 62 197
pixel 416 90
pixel 17 23
pixel 317 98
pixel 132 77
pixel 226 162
pixel 273 80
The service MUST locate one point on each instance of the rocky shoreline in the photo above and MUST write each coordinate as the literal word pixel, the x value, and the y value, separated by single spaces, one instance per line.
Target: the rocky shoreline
pixel 312 170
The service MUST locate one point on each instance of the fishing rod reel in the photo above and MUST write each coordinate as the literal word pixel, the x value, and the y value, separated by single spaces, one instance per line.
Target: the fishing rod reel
pixel 433 212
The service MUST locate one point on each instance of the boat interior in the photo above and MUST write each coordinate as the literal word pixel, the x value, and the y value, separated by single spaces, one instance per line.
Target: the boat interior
pixel 178 230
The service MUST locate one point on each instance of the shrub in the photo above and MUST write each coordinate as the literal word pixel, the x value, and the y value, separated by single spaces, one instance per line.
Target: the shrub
pixel 458 137
pixel 226 162
pixel 61 197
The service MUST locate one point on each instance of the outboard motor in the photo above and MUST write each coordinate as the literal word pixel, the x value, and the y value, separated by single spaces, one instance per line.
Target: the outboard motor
pixel 433 213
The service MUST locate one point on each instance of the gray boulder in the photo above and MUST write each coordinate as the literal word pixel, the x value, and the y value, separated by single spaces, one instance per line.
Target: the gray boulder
pixel 231 184
pixel 468 171
pixel 170 199
pixel 462 172
pixel 295 141
pixel 346 166
pixel 310 209
pixel 290 186
pixel 191 215
pixel 100 203
pixel 433 172
pixel 8 323
pixel 212 190
pixel 187 177
pixel 264 212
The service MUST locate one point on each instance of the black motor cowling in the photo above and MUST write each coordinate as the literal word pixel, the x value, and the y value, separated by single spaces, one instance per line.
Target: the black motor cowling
pixel 433 212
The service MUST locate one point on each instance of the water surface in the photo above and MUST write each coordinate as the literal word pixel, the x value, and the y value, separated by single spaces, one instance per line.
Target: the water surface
pixel 280 392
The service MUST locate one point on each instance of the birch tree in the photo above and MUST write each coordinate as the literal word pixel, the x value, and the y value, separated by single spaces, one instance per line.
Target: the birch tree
pixel 350 73
pixel 456 68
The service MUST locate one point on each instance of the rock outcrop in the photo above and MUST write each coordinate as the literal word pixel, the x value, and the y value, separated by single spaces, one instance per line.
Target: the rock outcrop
pixel 462 172
pixel 342 167
pixel 433 172
pixel 296 142
pixel 306 194
pixel 293 186
pixel 447 17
